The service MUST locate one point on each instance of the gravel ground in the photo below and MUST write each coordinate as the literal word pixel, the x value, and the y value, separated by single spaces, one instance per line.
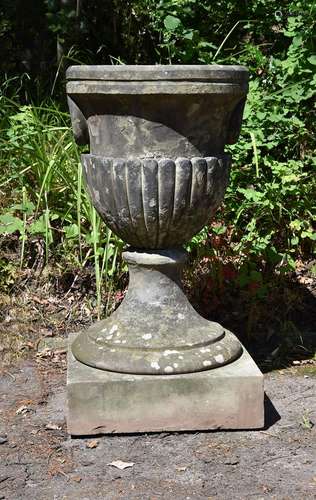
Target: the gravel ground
pixel 39 461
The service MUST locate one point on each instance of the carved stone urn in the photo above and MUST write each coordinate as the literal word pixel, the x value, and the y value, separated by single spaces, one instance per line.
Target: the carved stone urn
pixel 156 172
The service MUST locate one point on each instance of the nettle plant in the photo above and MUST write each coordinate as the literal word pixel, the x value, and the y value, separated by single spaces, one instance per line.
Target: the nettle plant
pixel 272 195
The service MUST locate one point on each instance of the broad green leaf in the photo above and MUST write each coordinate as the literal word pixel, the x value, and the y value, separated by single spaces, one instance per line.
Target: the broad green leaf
pixel 312 60
pixel 309 234
pixel 71 231
pixel 219 229
pixel 171 23
pixel 10 224
pixel 39 226
pixel 251 194
pixel 27 207
pixel 188 35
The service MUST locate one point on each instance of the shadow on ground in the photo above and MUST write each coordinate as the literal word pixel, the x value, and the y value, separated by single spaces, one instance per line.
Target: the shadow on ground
pixel 276 323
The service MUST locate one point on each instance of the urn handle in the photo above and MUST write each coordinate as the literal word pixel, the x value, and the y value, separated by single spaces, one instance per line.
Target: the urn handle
pixel 79 123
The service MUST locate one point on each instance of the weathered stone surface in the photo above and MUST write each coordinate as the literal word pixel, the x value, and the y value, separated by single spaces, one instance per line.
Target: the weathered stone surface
pixel 156 203
pixel 156 330
pixel 102 402
pixel 157 72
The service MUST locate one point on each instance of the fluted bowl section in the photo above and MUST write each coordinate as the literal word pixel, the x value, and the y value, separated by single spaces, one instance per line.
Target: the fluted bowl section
pixel 156 203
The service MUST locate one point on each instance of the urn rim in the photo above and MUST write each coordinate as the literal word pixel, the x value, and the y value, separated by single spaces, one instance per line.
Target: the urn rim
pixel 211 73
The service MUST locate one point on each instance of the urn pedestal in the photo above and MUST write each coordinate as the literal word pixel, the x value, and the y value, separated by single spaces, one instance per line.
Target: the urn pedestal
pixel 156 173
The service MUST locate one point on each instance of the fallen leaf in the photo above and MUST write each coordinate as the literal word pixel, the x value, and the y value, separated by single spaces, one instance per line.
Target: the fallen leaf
pixel 22 410
pixel 78 479
pixel 92 444
pixel 45 353
pixel 43 302
pixel 28 345
pixel 232 461
pixel 48 334
pixel 121 465
pixel 53 427
pixel 181 469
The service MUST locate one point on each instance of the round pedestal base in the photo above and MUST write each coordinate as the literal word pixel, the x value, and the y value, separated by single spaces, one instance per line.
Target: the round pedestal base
pixel 155 330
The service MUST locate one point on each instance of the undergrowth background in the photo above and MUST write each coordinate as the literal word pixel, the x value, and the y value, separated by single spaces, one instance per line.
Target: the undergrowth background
pixel 245 264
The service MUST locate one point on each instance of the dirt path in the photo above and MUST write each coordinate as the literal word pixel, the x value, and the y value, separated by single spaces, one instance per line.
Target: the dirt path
pixel 39 461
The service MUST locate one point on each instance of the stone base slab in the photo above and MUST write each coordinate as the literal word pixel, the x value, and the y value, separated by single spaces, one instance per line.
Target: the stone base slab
pixel 103 402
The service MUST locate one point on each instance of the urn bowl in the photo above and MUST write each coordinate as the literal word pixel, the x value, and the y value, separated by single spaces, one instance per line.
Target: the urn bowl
pixel 154 203
pixel 171 111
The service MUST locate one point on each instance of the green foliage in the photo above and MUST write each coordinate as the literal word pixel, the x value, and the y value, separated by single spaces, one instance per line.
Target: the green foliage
pixel 270 201
pixel 48 200
pixel 8 272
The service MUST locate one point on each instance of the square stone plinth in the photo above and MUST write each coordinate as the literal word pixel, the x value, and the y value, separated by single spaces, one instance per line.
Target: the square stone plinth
pixel 102 402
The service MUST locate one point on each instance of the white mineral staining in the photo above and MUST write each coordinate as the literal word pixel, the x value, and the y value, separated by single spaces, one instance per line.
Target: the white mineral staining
pixel 117 341
pixel 108 337
pixel 219 347
pixel 219 358
pixel 112 350
pixel 155 365
pixel 168 369
pixel 147 336
pixel 199 178
pixel 175 365
pixel 207 363
pixel 104 330
pixel 180 357
pixel 205 349
pixel 100 339
pixel 167 353
pixel 124 341
pixel 114 329
pixel 152 203
pixel 180 316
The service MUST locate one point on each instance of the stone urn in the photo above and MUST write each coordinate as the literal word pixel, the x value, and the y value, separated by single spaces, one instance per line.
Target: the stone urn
pixel 156 172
